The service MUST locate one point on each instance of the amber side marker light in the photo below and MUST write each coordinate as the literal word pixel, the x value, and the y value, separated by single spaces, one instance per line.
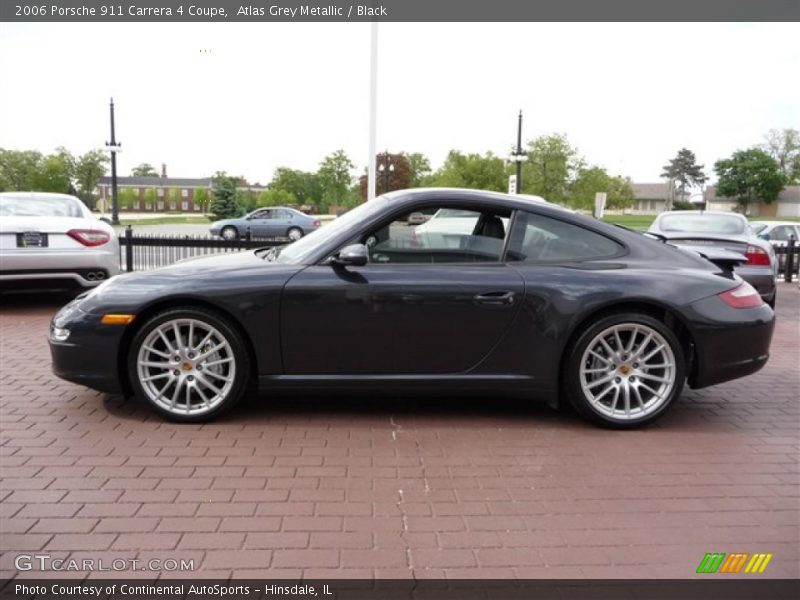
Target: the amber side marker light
pixel 117 319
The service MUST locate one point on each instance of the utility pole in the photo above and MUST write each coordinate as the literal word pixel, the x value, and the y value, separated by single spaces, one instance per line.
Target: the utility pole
pixel 373 109
pixel 113 147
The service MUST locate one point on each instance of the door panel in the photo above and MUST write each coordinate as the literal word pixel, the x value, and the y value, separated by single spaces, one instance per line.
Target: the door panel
pixel 396 319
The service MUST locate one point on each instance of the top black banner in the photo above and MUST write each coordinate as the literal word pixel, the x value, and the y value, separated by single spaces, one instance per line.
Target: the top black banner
pixel 399 10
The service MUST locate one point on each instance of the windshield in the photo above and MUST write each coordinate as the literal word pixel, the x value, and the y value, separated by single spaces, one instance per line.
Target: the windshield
pixel 758 227
pixel 300 250
pixel 702 223
pixel 39 206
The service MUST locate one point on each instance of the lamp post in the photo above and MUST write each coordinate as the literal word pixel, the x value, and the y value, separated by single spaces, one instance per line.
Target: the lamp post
pixel 113 146
pixel 386 167
pixel 519 156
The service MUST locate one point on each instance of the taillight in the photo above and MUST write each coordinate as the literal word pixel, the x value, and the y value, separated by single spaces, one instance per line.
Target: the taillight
pixel 744 296
pixel 316 223
pixel 757 256
pixel 89 237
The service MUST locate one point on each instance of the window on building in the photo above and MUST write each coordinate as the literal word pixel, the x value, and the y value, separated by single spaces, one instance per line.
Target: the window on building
pixel 185 204
pixel 184 193
pixel 160 192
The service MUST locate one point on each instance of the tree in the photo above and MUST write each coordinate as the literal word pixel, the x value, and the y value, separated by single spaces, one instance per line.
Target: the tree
pixel 335 179
pixel 473 171
pixel 89 168
pixel 303 186
pixel 683 172
pixel 18 169
pixel 54 173
pixel 276 198
pixel 551 167
pixel 784 147
pixel 201 199
pixel 223 197
pixel 150 198
pixel 591 180
pixel 128 198
pixel 144 170
pixel 749 175
pixel 420 169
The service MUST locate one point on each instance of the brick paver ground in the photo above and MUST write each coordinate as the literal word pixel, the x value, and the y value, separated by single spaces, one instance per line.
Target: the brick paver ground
pixel 397 488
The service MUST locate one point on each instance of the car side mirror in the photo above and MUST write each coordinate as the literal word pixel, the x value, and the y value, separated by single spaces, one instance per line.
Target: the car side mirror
pixel 354 255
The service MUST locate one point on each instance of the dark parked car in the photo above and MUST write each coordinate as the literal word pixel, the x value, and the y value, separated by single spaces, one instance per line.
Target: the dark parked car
pixel 533 300
pixel 706 230
pixel 277 221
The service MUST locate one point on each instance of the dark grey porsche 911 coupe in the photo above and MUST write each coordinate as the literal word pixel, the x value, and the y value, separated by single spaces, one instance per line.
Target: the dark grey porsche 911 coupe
pixel 493 293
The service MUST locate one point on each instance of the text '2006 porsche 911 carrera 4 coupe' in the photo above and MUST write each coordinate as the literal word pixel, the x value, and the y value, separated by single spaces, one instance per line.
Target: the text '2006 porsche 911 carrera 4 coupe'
pixel 522 298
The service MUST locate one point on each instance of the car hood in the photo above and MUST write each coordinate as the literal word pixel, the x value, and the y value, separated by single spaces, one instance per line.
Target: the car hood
pixel 203 278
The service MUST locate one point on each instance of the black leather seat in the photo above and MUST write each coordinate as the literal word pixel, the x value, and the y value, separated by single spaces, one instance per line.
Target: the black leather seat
pixel 493 228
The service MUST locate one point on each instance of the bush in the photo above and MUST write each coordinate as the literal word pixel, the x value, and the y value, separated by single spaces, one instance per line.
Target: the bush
pixel 683 205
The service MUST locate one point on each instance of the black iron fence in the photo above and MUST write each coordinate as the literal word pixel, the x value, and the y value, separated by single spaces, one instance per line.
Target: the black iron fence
pixel 141 252
pixel 788 259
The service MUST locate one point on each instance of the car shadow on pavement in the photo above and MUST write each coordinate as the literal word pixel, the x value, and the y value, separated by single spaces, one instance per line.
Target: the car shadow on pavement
pixel 336 406
pixel 12 302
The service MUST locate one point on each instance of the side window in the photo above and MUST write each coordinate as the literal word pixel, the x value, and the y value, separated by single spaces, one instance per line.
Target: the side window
pixel 537 238
pixel 440 235
pixel 781 233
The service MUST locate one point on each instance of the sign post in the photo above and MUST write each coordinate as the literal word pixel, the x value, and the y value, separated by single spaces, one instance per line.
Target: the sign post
pixel 599 204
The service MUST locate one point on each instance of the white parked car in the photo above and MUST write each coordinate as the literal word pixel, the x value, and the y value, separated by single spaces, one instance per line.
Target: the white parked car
pixel 776 232
pixel 53 241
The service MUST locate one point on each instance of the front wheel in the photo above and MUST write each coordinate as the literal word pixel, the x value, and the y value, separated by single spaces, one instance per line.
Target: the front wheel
pixel 230 233
pixel 625 370
pixel 188 364
pixel 294 233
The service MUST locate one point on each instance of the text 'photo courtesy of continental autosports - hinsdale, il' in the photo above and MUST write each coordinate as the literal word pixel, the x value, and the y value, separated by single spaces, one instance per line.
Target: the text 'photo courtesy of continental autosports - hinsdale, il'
pixel 435 291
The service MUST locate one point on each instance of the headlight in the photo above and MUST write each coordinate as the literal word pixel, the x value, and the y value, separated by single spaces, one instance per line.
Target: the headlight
pixel 59 334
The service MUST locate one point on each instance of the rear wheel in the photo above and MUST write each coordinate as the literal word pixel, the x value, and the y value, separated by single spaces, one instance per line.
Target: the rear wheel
pixel 188 364
pixel 625 370
pixel 230 233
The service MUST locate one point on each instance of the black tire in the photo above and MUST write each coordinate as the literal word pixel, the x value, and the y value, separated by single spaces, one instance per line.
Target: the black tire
pixel 771 301
pixel 233 233
pixel 298 233
pixel 238 353
pixel 572 377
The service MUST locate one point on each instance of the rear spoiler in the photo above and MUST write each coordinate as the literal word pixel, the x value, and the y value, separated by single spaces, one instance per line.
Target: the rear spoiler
pixel 725 259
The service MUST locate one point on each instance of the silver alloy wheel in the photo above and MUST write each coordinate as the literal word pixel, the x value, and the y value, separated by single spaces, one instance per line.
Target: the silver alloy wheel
pixel 295 234
pixel 627 371
pixel 230 233
pixel 186 366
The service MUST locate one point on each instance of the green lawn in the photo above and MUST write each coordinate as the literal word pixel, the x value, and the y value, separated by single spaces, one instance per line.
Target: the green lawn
pixel 181 220
pixel 642 222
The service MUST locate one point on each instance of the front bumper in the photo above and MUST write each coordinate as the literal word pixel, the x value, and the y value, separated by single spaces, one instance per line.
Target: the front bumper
pixel 729 342
pixel 89 356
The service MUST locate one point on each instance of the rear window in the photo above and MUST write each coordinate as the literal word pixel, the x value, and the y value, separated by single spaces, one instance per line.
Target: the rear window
pixel 39 206
pixel 536 238
pixel 702 224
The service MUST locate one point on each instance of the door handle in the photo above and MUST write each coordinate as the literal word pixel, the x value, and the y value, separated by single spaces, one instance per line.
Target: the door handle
pixel 504 298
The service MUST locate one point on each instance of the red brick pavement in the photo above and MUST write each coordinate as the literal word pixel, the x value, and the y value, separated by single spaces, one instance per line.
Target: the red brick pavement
pixel 397 488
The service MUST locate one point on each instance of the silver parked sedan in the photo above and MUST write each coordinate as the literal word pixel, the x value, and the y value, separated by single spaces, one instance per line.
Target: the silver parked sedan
pixel 53 241
pixel 723 230
pixel 277 222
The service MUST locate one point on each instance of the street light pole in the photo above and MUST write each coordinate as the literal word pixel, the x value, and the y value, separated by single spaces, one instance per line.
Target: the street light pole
pixel 518 156
pixel 113 146
pixel 385 168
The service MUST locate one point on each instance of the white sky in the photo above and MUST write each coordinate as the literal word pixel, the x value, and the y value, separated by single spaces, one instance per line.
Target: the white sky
pixel 265 95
